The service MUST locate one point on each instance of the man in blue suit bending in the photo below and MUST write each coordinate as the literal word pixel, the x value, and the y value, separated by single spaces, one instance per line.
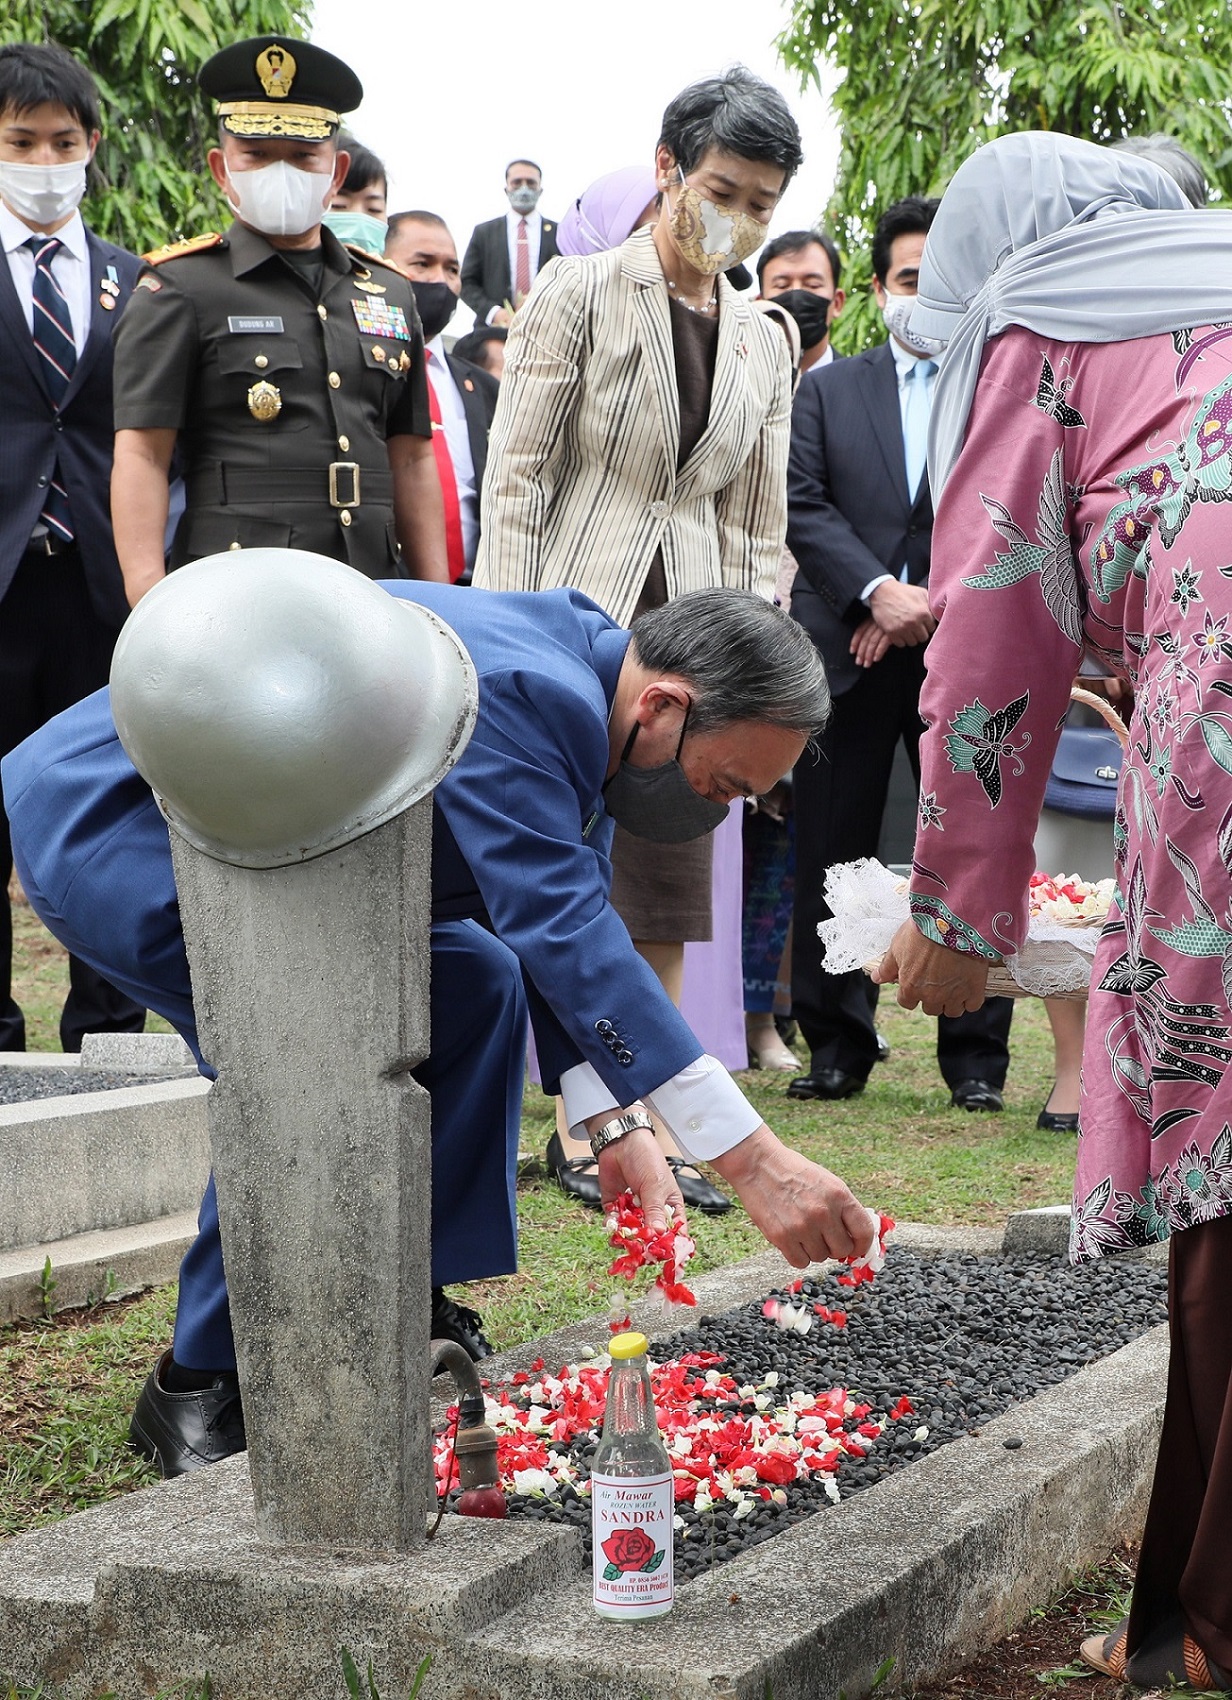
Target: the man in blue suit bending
pixel 580 723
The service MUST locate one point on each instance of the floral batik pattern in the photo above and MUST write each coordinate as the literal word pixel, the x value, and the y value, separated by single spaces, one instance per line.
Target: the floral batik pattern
pixel 1086 515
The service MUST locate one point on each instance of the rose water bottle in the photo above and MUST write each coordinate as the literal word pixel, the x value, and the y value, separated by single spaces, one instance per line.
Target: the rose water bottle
pixel 632 1504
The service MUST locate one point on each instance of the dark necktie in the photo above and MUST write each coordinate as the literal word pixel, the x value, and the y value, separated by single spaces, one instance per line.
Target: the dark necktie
pixel 53 338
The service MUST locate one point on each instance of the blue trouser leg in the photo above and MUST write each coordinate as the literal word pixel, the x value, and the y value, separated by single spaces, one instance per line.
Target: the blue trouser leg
pixel 94 858
pixel 475 1078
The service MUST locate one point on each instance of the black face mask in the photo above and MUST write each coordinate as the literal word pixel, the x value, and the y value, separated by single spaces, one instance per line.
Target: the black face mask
pixel 658 803
pixel 437 304
pixel 809 311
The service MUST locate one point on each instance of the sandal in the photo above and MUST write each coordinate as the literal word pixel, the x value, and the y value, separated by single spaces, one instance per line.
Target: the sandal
pixel 1106 1653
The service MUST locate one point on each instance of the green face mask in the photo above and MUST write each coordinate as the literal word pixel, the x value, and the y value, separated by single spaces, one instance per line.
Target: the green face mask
pixel 362 229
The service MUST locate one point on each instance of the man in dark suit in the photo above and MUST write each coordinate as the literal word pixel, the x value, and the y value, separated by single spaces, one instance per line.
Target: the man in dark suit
pixel 463 396
pixel 61 594
pixel 801 270
pixel 860 524
pixel 504 255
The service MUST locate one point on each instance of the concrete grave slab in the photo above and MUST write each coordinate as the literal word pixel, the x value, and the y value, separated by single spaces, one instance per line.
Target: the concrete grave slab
pixel 927 1567
pixel 101 1160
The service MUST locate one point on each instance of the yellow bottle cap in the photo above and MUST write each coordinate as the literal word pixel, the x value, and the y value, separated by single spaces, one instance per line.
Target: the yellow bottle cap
pixel 622 1346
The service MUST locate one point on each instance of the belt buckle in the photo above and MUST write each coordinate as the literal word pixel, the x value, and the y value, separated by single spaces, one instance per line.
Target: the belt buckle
pixel 337 466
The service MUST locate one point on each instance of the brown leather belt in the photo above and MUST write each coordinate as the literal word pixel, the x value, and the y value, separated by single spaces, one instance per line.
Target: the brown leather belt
pixel 342 484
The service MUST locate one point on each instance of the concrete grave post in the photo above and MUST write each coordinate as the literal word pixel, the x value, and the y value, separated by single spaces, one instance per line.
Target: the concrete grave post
pixel 292 719
pixel 310 984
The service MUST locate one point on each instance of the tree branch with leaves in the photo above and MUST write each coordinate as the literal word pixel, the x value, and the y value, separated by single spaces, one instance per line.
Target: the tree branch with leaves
pixel 925 82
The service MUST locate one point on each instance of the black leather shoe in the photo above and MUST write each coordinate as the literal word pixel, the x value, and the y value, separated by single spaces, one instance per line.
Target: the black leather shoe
pixel 578 1176
pixel 826 1083
pixel 452 1321
pixel 883 1048
pixel 977 1095
pixel 186 1431
pixel 696 1190
pixel 1053 1122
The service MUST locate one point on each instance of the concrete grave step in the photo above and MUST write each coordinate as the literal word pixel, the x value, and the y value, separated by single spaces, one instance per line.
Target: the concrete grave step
pixel 85 1268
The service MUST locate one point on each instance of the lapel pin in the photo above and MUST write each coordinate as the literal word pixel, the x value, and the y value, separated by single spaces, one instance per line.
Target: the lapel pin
pixel 107 302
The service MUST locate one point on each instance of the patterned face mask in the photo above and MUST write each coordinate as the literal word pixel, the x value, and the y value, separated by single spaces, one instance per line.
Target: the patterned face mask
pixel 711 236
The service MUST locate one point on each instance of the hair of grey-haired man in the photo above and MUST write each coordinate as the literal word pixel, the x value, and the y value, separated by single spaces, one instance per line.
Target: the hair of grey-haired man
pixel 745 658
pixel 1171 157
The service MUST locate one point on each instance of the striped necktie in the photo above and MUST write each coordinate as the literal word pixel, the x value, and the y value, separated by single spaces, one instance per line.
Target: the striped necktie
pixel 53 338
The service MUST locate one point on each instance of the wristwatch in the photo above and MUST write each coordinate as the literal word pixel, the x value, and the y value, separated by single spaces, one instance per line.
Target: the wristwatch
pixel 616 1129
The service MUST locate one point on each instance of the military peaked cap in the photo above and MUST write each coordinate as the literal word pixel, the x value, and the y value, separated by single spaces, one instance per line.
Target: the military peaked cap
pixel 274 85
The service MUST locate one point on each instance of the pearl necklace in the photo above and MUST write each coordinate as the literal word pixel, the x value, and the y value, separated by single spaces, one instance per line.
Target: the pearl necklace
pixel 704 307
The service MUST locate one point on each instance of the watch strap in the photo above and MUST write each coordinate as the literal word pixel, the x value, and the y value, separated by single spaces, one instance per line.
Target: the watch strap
pixel 617 1128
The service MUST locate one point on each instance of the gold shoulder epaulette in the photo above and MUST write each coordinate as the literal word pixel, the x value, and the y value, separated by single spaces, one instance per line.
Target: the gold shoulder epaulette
pixel 177 250
pixel 372 259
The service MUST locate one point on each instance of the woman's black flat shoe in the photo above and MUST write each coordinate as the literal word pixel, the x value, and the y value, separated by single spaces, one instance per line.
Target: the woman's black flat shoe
pixel 1053 1122
pixel 696 1190
pixel 577 1176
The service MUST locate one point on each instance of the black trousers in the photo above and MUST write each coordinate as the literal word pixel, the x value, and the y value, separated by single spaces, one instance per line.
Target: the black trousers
pixel 54 650
pixel 1184 1568
pixel 840 797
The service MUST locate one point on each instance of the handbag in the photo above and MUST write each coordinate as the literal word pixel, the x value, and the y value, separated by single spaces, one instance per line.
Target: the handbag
pixel 1085 772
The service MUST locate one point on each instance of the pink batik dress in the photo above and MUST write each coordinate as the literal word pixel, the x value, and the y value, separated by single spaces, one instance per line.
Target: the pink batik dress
pixel 1091 510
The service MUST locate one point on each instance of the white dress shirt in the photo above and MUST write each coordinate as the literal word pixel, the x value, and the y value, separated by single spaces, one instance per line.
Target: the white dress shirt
pixel 703 1107
pixel 534 232
pixel 453 418
pixel 70 268
pixel 905 363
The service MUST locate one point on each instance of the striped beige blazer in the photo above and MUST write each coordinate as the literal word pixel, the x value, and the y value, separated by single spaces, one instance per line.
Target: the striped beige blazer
pixel 581 486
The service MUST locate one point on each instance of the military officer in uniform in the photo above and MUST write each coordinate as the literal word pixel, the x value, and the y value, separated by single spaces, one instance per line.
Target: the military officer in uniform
pixel 287 367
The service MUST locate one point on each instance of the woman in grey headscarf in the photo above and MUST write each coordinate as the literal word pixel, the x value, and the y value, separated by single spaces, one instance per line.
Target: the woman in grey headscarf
pixel 1083 453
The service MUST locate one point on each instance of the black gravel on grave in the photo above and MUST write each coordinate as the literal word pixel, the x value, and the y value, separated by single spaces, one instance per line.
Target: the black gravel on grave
pixel 24 1085
pixel 963 1337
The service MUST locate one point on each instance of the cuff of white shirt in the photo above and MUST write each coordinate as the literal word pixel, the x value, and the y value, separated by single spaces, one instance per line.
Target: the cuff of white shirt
pixel 703 1108
pixel 870 587
pixel 492 312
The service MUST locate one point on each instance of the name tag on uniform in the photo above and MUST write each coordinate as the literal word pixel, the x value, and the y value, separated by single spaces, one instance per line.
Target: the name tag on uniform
pixel 256 324
pixel 381 318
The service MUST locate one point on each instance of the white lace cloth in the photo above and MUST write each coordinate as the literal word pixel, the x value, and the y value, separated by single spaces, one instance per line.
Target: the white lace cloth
pixel 869 904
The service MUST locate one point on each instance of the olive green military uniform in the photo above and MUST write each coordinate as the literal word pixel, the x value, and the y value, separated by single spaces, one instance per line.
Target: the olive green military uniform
pixel 283 393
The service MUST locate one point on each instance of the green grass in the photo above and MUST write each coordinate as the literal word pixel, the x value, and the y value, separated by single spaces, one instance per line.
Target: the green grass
pixel 40 983
pixel 67 1385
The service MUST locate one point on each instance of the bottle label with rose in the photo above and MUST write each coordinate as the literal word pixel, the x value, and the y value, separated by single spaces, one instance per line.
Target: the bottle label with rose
pixel 631 1519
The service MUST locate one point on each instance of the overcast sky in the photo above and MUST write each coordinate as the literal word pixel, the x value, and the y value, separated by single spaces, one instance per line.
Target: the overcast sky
pixel 453 92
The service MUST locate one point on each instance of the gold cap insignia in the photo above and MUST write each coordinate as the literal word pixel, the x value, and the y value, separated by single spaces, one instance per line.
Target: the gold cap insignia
pixel 275 67
pixel 264 401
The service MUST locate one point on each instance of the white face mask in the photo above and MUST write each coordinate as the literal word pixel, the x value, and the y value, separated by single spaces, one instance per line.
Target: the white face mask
pixel 897 315
pixel 43 194
pixel 280 199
